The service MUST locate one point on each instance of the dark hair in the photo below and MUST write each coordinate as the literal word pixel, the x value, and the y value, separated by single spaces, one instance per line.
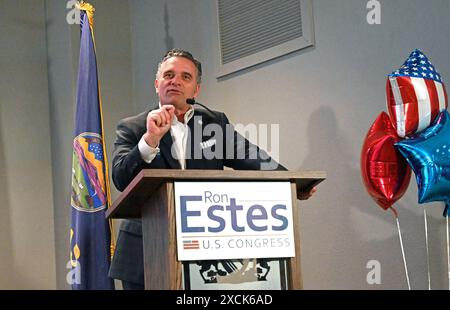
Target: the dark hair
pixel 185 54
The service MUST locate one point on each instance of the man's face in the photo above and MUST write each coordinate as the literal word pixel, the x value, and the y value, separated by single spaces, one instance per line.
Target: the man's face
pixel 176 82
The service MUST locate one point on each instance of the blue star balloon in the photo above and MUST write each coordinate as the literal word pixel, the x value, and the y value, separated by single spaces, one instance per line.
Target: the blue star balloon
pixel 428 154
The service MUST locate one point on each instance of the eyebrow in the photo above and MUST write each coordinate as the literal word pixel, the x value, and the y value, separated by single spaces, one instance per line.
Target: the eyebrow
pixel 171 71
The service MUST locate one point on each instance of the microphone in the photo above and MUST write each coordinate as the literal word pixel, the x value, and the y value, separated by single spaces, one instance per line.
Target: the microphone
pixel 192 101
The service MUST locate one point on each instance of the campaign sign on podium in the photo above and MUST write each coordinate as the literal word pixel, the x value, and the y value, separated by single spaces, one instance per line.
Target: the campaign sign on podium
pixel 233 220
pixel 257 216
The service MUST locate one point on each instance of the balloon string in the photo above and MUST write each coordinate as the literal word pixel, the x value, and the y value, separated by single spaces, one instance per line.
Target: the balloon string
pixel 448 252
pixel 403 253
pixel 394 211
pixel 426 243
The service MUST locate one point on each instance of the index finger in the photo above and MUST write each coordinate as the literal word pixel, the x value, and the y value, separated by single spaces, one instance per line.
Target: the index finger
pixel 168 107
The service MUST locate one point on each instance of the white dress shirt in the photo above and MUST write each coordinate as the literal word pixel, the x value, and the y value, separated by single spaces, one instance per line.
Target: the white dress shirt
pixel 179 132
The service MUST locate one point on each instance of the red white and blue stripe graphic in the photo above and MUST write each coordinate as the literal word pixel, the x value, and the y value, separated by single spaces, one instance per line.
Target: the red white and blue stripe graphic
pixel 191 245
pixel 415 95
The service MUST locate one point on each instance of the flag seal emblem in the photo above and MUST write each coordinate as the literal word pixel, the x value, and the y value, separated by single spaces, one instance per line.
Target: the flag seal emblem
pixel 88 180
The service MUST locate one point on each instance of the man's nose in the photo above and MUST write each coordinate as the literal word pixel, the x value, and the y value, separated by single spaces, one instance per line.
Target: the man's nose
pixel 176 80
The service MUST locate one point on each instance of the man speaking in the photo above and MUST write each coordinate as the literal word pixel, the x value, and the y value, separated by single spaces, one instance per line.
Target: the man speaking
pixel 165 138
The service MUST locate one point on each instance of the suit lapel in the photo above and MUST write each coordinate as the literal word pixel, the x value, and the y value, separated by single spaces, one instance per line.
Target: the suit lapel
pixel 165 147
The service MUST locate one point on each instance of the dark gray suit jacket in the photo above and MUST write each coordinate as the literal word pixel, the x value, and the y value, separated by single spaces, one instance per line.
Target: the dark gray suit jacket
pixel 127 263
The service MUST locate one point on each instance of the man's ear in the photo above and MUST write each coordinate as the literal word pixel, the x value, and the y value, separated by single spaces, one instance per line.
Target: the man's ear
pixel 197 91
pixel 156 86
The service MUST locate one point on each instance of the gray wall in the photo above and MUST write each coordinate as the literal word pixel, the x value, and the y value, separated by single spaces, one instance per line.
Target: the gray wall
pixel 61 54
pixel 324 98
pixel 26 214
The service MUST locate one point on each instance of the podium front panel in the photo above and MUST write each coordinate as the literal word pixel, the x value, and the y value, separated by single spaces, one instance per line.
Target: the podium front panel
pixel 236 274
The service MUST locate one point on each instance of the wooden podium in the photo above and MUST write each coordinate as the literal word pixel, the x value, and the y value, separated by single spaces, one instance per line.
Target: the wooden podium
pixel 150 196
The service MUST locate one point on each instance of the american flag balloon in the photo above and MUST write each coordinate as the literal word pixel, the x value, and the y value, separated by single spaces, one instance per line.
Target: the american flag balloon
pixel 415 95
